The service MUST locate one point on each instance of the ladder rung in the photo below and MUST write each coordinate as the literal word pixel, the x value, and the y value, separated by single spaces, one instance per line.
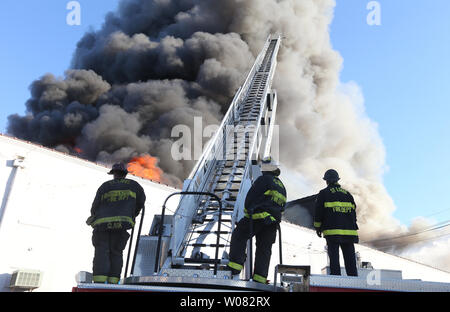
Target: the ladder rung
pixel 237 167
pixel 211 232
pixel 232 162
pixel 212 219
pixel 217 209
pixel 195 260
pixel 223 190
pixel 208 245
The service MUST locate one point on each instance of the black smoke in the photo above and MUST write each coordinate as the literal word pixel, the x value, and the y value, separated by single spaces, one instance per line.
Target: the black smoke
pixel 153 65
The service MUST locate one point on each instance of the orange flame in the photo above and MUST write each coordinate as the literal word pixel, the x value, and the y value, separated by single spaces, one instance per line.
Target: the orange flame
pixel 78 150
pixel 145 167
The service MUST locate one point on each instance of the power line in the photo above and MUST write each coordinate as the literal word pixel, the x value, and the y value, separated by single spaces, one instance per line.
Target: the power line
pixel 410 243
pixel 427 216
pixel 434 227
pixel 436 213
pixel 406 235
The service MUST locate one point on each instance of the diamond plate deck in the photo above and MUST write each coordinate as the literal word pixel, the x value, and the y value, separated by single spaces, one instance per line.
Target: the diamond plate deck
pixel 200 284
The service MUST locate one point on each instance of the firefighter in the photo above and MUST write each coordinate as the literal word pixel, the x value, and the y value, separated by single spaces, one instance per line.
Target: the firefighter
pixel 113 212
pixel 335 218
pixel 264 205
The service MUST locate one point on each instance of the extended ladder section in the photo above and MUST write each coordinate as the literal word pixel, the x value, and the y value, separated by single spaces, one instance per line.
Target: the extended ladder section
pixel 200 231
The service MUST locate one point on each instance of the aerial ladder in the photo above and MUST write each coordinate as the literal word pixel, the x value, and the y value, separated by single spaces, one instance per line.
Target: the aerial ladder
pixel 191 246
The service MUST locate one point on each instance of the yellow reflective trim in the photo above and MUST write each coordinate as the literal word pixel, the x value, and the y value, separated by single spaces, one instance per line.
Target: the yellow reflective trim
pixel 113 280
pixel 338 189
pixel 339 204
pixel 235 265
pixel 118 195
pixel 340 232
pixel 278 182
pixel 344 207
pixel 99 278
pixel 277 197
pixel 317 224
pixel 259 279
pixel 113 219
pixel 261 215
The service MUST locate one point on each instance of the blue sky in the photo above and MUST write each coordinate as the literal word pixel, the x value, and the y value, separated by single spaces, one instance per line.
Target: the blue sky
pixel 401 66
pixel 403 69
pixel 37 40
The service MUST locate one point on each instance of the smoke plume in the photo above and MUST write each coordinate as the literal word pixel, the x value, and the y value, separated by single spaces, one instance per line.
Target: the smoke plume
pixel 156 64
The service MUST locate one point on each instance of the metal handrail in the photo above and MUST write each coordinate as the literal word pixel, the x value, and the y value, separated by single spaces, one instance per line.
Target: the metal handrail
pixel 161 225
pixel 137 244
pixel 280 243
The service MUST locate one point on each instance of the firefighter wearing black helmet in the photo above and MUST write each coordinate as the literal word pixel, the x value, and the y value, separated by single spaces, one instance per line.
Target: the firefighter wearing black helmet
pixel 335 218
pixel 113 212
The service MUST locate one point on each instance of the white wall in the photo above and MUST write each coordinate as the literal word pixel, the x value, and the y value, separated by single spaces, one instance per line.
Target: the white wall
pixel 43 226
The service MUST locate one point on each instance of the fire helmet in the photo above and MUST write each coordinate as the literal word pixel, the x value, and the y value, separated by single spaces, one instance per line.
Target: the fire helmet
pixel 118 167
pixel 331 175
pixel 269 165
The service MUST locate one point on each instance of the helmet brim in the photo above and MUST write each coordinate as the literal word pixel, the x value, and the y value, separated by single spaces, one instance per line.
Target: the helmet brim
pixel 117 171
pixel 268 168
